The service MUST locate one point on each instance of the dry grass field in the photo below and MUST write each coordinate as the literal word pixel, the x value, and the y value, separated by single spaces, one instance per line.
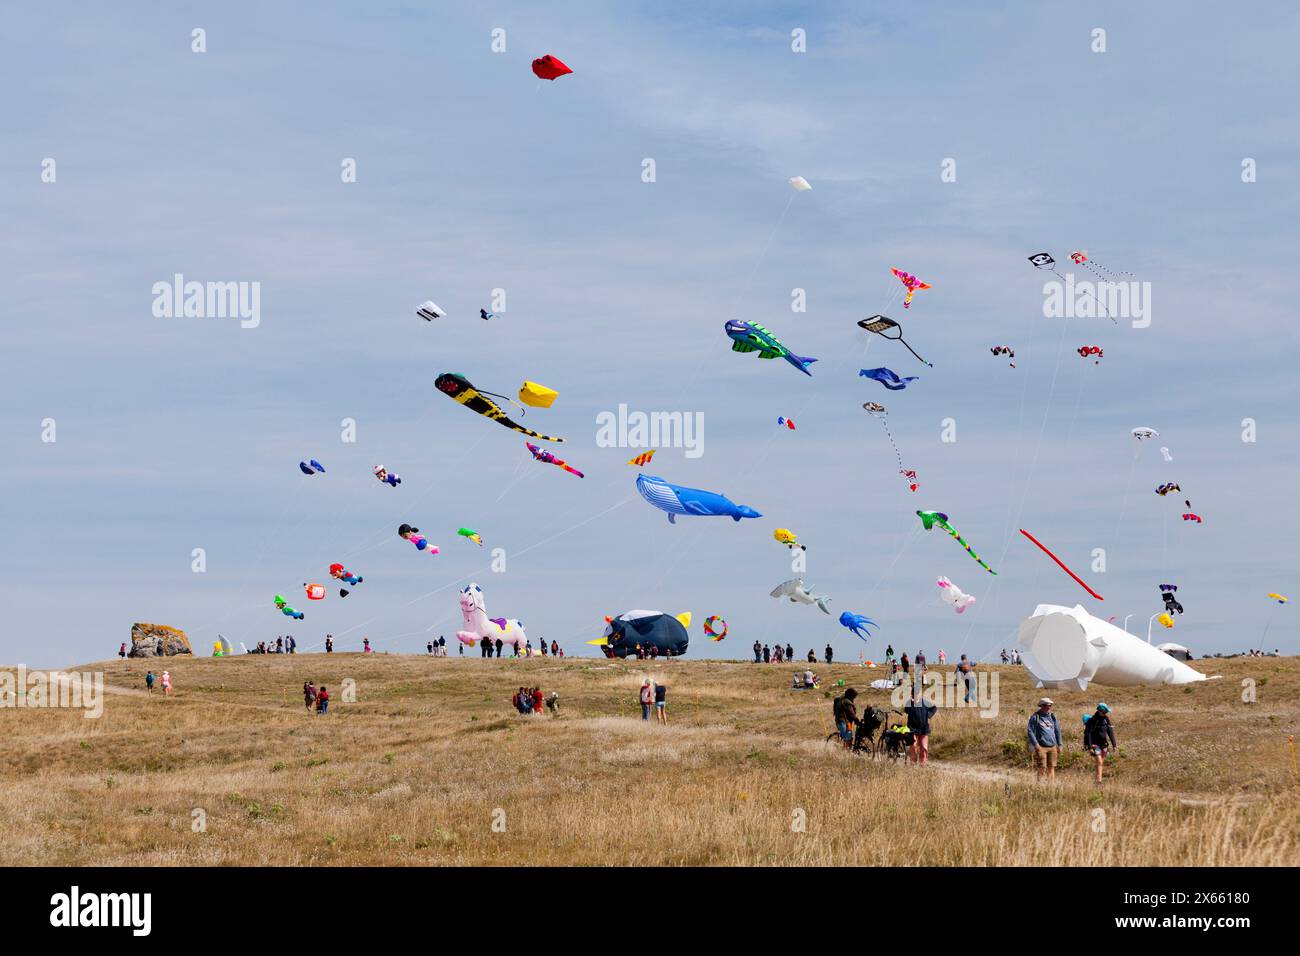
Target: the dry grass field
pixel 431 766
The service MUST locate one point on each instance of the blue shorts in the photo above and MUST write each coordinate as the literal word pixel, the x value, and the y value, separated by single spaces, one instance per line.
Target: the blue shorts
pixel 660 704
pixel 845 733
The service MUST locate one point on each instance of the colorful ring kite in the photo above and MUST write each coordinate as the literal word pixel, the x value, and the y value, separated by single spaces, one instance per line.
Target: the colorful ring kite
pixel 711 628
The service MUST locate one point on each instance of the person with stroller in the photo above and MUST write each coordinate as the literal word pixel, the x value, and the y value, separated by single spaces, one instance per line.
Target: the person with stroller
pixel 845 712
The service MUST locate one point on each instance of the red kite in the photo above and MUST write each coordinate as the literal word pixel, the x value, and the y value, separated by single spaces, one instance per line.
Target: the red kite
pixel 549 67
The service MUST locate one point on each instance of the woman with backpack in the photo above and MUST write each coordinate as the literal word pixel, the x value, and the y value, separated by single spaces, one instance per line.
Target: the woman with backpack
pixel 1099 736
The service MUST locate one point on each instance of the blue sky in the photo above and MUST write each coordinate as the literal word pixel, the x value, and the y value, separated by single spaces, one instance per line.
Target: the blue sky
pixel 175 434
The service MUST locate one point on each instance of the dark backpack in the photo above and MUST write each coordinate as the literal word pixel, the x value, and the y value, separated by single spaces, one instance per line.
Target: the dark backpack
pixel 1094 732
pixel 837 708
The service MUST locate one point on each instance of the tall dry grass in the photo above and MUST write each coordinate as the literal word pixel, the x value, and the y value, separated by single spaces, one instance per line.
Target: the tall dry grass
pixel 431 766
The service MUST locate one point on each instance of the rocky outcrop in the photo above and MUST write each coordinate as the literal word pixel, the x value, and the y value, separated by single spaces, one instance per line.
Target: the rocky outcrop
pixel 158 640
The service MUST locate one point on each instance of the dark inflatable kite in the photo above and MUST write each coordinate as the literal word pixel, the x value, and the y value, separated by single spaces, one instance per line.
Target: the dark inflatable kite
pixel 647 629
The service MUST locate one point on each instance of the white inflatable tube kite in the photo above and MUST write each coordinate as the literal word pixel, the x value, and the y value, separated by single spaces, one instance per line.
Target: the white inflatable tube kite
pixel 1068 647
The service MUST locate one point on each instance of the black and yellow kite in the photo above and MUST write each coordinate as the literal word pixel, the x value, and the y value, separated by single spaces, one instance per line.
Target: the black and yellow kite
pixel 459 387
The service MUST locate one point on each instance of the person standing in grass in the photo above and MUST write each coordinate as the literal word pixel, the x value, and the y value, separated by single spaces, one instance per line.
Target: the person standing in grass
pixel 308 695
pixel 1045 739
pixel 830 654
pixel 555 648
pixel 758 652
pixel 919 713
pixel 1098 736
pixel 148 681
pixel 121 651
pixel 661 701
pixel 647 698
pixel 966 677
pixel 323 700
pixel 499 644
pixel 167 692
pixel 537 700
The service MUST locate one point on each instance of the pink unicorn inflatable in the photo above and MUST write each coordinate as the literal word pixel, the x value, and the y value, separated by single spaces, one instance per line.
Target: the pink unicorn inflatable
pixel 478 625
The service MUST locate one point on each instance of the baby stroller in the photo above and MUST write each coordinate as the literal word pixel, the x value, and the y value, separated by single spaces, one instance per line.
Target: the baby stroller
pixel 864 735
pixel 895 741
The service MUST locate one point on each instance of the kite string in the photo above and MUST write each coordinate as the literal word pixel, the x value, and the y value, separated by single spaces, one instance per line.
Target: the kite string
pixel 1024 493
pixel 471 574
pixel 349 554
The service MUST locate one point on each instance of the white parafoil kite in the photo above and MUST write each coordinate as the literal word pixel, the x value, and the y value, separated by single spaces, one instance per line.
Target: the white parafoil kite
pixel 954 595
pixel 799 184
pixel 429 311
pixel 1142 432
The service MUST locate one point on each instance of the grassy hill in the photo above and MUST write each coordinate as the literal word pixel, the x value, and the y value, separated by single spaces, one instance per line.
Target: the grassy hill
pixel 430 765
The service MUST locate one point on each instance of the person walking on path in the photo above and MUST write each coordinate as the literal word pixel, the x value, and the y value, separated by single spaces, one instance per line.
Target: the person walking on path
pixel 322 700
pixel 148 682
pixel 1098 736
pixel 1044 734
pixel 167 692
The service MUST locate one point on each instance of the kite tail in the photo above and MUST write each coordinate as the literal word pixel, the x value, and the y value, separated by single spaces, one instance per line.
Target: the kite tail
pixel 526 431
pixel 978 560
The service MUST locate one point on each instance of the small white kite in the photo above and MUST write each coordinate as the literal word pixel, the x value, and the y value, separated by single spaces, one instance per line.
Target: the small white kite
pixel 799 184
pixel 430 311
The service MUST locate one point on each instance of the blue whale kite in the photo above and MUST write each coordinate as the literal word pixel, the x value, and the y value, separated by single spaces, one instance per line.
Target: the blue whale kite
pixel 677 500
pixel 887 378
